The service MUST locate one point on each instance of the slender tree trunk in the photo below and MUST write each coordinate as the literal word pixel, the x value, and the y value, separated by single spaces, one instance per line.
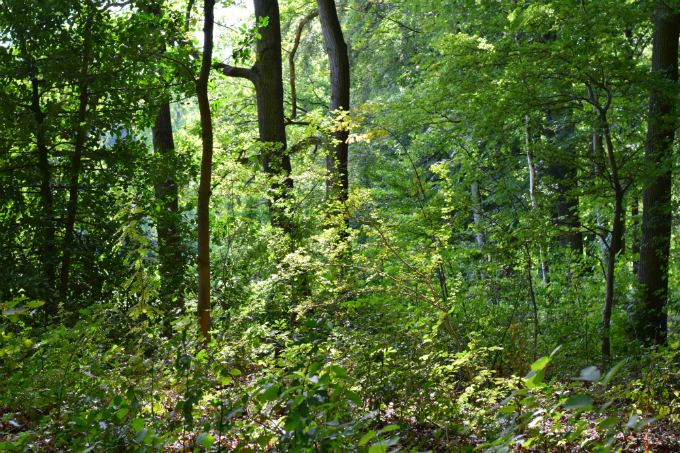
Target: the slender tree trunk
pixel 615 241
pixel 566 204
pixel 477 213
pixel 291 62
pixel 634 236
pixel 338 59
pixel 651 323
pixel 598 150
pixel 614 248
pixel 48 256
pixel 532 189
pixel 75 169
pixel 204 192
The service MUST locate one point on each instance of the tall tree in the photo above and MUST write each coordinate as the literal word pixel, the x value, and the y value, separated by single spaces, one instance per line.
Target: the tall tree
pixel 167 193
pixel 651 323
pixel 204 190
pixel 267 77
pixel 338 59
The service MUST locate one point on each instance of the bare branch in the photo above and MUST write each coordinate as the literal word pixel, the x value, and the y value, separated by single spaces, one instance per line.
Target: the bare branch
pixel 233 71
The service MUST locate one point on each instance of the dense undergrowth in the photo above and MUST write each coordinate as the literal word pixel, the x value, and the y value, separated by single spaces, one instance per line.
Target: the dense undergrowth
pixel 327 382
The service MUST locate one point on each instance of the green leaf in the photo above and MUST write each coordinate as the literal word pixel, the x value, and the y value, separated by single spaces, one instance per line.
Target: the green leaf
pixel 270 394
pixel 578 402
pixel 292 421
pixel 235 372
pixel 644 423
pixel 35 303
pixel 353 397
pixel 388 429
pixel 205 439
pixel 611 373
pixel 137 424
pixel 591 374
pixel 366 437
pixel 534 378
pixel 141 435
pixel 609 422
pixel 340 372
pixel 122 413
pixel 632 422
pixel 540 363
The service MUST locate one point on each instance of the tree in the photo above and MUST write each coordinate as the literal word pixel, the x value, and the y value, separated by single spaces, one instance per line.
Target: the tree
pixel 651 321
pixel 266 76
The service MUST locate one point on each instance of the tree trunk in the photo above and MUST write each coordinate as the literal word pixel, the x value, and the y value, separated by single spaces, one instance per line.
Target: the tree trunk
pixel 614 248
pixel 477 213
pixel 268 82
pixel 338 60
pixel 75 169
pixel 598 150
pixel 634 237
pixel 204 192
pixel 532 189
pixel 291 62
pixel 171 266
pixel 266 75
pixel 615 241
pixel 650 321
pixel 167 194
pixel 48 256
pixel 566 205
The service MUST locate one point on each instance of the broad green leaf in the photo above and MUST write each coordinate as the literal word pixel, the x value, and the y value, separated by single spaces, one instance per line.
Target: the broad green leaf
pixel 122 413
pixel 609 422
pixel 534 378
pixel 366 437
pixel 632 422
pixel 540 363
pixel 35 303
pixel 389 428
pixel 578 402
pixel 611 373
pixel 141 435
pixel 292 421
pixel 353 397
pixel 137 424
pixel 591 374
pixel 270 394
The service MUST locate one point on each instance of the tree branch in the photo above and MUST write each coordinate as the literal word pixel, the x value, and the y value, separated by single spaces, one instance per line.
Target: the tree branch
pixel 291 59
pixel 233 71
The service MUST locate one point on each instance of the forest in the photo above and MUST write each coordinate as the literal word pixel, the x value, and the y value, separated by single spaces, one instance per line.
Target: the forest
pixel 322 226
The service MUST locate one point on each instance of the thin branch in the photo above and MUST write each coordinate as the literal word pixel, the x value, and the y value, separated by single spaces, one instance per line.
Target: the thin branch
pixel 291 60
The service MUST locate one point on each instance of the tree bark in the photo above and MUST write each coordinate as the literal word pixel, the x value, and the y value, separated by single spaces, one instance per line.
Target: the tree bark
pixel 566 205
pixel 204 192
pixel 650 321
pixel 338 60
pixel 634 239
pixel 75 168
pixel 477 213
pixel 291 62
pixel 615 241
pixel 48 256
pixel 270 113
pixel 532 189
pixel 167 193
